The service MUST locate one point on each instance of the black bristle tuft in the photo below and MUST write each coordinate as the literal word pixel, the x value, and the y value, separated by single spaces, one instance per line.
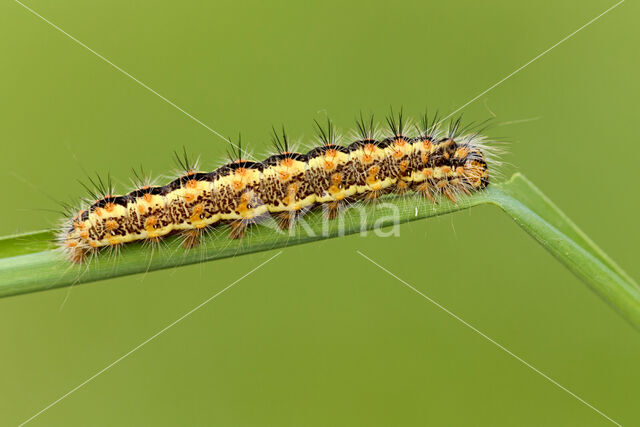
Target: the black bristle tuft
pixel 183 161
pixel 280 142
pixel 365 130
pixel 140 179
pixel 235 151
pixel 89 190
pixel 427 127
pixel 327 136
pixel 396 124
pixel 99 188
pixel 454 127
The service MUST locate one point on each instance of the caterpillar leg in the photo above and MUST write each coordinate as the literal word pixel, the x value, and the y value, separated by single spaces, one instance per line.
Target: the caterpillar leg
pixel 426 190
pixel 191 238
pixel 78 255
pixel 373 195
pixel 401 187
pixel 333 210
pixel 154 240
pixel 449 194
pixel 287 219
pixel 238 228
pixel 446 188
pixel 460 185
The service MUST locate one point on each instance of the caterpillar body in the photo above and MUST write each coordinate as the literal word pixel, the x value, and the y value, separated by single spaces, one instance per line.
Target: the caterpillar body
pixel 434 162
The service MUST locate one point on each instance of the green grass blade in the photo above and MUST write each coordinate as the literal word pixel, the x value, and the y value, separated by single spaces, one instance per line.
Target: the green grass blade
pixel 530 209
pixel 29 262
pixel 520 188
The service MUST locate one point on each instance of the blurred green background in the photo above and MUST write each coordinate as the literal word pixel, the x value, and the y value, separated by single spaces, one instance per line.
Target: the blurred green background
pixel 320 336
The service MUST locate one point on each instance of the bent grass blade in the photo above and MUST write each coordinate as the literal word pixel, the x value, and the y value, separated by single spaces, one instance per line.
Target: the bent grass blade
pixel 30 262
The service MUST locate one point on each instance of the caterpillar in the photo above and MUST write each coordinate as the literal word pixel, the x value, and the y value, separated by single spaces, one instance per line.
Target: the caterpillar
pixel 435 162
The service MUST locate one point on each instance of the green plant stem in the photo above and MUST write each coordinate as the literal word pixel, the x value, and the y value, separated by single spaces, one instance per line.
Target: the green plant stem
pixel 30 262
pixel 590 264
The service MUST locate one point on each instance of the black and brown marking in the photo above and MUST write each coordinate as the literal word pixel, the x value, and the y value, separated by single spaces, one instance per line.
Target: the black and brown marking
pixel 285 185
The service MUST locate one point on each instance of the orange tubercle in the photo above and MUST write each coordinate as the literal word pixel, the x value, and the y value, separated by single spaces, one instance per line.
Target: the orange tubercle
pixel 461 152
pixel 197 211
pixel 150 222
pixel 371 176
pixel 292 188
pixel 283 176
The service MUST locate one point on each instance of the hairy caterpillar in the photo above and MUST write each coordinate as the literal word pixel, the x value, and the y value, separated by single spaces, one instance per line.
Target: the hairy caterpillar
pixel 435 162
